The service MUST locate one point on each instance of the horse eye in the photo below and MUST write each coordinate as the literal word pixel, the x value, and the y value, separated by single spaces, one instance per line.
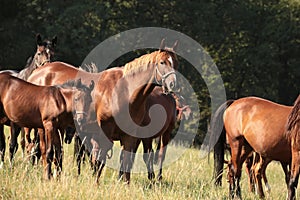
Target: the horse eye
pixel 162 62
pixel 39 53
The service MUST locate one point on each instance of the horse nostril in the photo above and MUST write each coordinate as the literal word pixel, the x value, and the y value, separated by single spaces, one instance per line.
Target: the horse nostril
pixel 81 120
pixel 172 85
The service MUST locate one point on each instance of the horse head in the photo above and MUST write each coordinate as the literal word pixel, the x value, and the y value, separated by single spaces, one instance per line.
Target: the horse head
pixel 81 101
pixel 45 50
pixel 165 66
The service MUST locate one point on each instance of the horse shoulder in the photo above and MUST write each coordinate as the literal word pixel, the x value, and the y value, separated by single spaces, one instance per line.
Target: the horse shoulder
pixel 104 91
pixel 53 104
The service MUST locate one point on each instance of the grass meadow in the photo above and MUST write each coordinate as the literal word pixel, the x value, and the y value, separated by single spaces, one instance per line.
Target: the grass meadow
pixel 189 177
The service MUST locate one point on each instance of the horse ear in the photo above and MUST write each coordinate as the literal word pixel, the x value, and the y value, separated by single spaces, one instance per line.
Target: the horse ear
pixel 38 39
pixel 175 45
pixel 54 41
pixel 162 44
pixel 92 85
pixel 78 83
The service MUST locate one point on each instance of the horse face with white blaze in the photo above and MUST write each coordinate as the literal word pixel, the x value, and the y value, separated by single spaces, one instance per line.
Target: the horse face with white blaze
pixel 45 50
pixel 166 66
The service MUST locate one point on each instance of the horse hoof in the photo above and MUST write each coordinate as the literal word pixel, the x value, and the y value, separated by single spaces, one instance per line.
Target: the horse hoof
pixel 151 176
pixel 159 178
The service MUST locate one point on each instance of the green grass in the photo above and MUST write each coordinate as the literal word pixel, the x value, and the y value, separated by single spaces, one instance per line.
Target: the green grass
pixel 189 177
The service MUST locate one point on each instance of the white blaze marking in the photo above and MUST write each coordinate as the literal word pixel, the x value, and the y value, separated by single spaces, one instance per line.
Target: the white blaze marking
pixel 171 61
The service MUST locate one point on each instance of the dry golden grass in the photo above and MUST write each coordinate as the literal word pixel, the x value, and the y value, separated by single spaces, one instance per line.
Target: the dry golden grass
pixel 188 178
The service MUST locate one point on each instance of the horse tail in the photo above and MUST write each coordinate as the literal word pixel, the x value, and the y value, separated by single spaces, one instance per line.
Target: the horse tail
pixel 218 141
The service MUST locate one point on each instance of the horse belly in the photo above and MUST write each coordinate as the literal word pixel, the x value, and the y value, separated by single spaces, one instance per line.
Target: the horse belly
pixel 24 116
pixel 276 148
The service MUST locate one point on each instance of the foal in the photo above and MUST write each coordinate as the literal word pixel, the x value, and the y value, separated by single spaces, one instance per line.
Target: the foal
pixel 44 53
pixel 53 108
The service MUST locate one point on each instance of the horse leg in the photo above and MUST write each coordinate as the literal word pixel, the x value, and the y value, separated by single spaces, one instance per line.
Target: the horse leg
pixel 130 147
pixel 100 163
pixel 293 182
pixel 165 138
pixel 258 171
pixel 49 131
pixel 264 176
pixel 148 157
pixel 37 150
pixel 57 143
pixel 29 146
pixel 286 172
pixel 2 145
pixel 22 142
pixel 237 158
pixel 13 145
pixel 42 138
pixel 78 152
pixel 121 159
pixel 249 170
pixel 100 147
pixel 156 154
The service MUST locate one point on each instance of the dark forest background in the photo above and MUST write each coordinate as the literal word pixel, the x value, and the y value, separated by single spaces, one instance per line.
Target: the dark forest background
pixel 254 43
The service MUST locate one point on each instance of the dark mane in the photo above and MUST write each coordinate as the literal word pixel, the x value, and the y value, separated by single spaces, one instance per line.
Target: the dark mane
pixel 73 83
pixel 293 125
pixel 28 69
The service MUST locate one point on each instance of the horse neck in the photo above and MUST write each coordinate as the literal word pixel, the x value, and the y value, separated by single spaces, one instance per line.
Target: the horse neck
pixel 68 97
pixel 140 86
pixel 27 71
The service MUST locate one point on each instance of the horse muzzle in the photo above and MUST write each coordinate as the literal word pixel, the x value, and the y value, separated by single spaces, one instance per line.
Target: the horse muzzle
pixel 80 119
pixel 169 84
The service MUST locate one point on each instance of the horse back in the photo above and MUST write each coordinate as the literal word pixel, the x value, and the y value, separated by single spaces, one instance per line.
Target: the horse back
pixel 27 104
pixel 261 122
pixel 53 73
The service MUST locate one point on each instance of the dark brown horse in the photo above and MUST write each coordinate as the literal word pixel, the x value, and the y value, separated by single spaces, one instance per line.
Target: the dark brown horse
pixel 119 98
pixel 183 112
pixel 168 103
pixel 250 124
pixel 43 54
pixel 293 132
pixel 53 108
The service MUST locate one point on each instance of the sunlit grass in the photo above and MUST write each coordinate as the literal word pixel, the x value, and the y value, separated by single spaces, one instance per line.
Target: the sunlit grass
pixel 188 177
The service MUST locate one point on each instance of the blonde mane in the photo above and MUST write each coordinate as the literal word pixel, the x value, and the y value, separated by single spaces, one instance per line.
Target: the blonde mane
pixel 142 63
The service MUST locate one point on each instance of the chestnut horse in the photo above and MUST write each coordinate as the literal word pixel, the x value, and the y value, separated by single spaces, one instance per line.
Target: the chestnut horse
pixel 52 109
pixel 250 124
pixel 43 55
pixel 293 132
pixel 119 99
